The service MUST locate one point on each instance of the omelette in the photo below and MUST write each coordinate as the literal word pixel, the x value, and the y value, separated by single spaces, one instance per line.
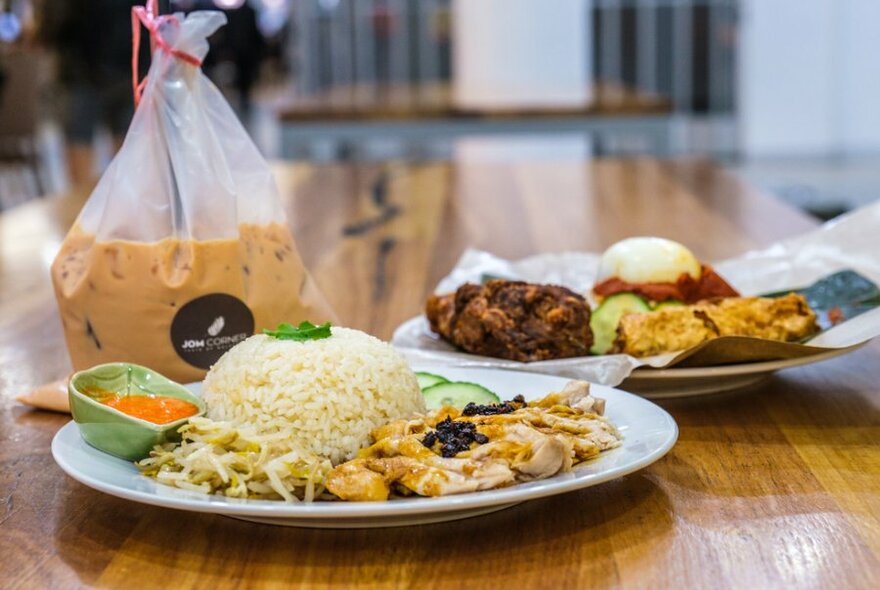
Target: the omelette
pixel 785 319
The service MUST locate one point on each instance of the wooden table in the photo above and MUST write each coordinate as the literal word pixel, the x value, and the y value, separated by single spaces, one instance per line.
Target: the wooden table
pixel 349 114
pixel 776 487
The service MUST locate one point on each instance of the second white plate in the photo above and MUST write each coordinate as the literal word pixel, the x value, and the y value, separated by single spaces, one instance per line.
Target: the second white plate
pixel 416 340
pixel 690 381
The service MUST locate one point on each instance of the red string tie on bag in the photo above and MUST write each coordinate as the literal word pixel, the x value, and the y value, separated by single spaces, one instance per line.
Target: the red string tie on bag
pixel 149 17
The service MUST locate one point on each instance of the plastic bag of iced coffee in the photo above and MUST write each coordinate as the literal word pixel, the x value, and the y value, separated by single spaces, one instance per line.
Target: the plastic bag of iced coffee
pixel 183 249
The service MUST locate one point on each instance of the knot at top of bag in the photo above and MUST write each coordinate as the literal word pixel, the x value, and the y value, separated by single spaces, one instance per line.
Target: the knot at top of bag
pixel 185 38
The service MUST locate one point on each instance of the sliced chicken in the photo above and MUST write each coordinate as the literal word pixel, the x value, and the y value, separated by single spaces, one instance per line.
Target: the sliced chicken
pixel 530 453
pixel 572 414
pixel 354 480
pixel 405 461
pixel 588 428
pixel 575 394
pixel 446 452
pixel 400 428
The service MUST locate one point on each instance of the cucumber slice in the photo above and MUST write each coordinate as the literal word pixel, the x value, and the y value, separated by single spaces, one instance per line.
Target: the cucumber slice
pixel 668 303
pixel 426 380
pixel 607 316
pixel 457 394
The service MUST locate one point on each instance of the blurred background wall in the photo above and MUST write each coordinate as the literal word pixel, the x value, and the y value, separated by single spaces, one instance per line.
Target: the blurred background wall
pixel 784 92
pixel 809 82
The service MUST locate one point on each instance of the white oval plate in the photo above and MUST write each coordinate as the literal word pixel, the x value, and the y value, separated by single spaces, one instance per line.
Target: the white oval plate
pixel 415 339
pixel 649 432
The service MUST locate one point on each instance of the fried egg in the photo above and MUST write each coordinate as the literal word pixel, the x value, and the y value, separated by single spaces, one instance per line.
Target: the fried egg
pixel 647 260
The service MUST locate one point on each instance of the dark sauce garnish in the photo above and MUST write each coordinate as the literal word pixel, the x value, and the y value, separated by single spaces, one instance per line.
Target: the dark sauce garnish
pixel 507 407
pixel 454 437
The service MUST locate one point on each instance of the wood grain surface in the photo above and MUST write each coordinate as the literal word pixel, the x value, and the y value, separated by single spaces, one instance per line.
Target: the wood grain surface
pixel 774 487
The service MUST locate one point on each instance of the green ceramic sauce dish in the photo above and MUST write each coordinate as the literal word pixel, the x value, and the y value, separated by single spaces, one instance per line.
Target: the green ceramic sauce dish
pixel 113 431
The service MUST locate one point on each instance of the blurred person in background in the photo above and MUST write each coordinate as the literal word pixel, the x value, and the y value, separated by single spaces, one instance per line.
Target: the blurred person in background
pixel 239 45
pixel 16 31
pixel 384 24
pixel 441 35
pixel 92 39
pixel 16 21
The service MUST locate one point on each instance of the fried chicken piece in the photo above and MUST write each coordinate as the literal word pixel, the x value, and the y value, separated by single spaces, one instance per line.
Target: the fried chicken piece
pixel 513 320
pixel 786 319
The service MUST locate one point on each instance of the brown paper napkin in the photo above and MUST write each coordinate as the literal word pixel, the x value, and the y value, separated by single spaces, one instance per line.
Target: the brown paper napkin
pixel 50 396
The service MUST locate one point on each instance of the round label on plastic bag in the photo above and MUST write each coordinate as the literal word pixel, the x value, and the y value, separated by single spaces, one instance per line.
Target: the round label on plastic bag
pixel 208 326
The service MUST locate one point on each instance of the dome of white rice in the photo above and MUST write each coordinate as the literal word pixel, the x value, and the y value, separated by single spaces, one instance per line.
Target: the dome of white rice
pixel 326 395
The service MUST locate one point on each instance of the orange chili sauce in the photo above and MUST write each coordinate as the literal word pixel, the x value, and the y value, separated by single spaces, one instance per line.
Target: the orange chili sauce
pixel 158 409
